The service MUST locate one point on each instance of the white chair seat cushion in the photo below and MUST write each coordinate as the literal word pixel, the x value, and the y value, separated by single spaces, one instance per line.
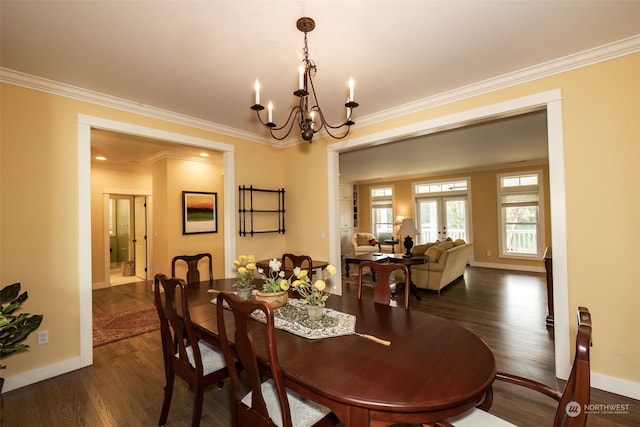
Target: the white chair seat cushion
pixel 304 412
pixel 212 358
pixel 478 418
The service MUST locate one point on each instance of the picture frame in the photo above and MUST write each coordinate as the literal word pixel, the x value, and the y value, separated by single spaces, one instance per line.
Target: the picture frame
pixel 199 212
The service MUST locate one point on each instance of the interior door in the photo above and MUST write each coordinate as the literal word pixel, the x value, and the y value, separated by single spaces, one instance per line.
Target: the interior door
pixel 140 236
pixel 442 217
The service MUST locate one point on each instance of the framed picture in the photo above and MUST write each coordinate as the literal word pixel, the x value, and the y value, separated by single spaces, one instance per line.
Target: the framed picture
pixel 199 212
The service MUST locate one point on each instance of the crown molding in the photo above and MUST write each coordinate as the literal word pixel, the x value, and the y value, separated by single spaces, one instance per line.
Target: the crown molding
pixel 585 58
pixel 56 88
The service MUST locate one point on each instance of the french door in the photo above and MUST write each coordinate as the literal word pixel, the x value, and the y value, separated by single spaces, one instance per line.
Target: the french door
pixel 441 217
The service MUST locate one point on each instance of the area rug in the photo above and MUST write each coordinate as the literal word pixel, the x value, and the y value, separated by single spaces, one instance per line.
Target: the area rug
pixel 352 280
pixel 125 325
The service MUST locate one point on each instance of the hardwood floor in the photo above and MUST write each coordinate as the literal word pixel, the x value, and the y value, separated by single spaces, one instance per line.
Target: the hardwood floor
pixel 124 386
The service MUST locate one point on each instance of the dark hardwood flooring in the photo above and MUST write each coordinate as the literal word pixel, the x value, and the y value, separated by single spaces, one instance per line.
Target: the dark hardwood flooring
pixel 124 387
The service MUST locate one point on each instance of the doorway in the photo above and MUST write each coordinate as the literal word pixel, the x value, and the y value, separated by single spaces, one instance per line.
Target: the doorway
pixel 126 234
pixel 441 217
pixel 551 101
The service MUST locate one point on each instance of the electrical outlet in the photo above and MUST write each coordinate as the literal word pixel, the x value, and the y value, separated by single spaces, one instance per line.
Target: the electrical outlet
pixel 43 337
pixel 488 253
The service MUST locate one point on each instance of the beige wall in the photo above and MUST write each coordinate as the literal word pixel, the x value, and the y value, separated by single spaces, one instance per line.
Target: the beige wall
pixel 170 178
pixel 484 211
pixel 600 108
pixel 39 214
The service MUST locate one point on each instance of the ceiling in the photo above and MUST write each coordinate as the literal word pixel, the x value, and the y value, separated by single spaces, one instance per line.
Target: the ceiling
pixel 199 59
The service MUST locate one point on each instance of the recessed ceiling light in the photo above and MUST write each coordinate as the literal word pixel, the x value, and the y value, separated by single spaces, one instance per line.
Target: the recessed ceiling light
pixel 101 158
pixel 204 154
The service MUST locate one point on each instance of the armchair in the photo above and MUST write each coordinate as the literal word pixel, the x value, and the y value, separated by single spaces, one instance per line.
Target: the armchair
pixel 365 243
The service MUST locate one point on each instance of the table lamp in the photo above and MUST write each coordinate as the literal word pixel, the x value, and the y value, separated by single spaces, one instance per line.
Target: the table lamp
pixel 408 228
pixel 397 221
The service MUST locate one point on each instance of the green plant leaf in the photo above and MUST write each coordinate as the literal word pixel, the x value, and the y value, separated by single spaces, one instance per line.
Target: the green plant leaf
pixel 9 293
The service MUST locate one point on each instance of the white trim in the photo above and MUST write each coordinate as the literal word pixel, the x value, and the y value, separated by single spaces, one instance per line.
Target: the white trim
pixel 585 58
pixel 558 208
pixel 552 100
pixel 85 124
pixel 616 385
pixel 40 374
pixel 85 287
pixel 333 204
pixel 514 267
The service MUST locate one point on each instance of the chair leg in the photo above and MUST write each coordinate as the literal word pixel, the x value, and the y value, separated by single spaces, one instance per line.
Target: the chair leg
pixel 198 394
pixel 168 393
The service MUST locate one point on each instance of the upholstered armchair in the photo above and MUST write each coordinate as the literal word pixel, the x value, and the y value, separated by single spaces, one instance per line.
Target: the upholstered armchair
pixel 365 243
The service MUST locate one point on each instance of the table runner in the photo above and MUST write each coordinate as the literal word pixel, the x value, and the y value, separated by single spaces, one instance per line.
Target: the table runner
pixel 294 319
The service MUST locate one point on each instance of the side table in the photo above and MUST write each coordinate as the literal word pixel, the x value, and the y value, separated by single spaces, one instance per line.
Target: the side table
pixel 399 258
pixel 357 259
pixel 393 243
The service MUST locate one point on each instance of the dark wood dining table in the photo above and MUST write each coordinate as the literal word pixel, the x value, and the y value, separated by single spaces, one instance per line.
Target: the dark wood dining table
pixel 432 370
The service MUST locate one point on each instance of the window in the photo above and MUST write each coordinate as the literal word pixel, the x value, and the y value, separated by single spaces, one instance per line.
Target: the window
pixel 519 198
pixel 382 213
pixel 442 210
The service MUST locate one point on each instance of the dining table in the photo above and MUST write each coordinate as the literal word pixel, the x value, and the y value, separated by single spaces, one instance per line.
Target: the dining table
pixel 396 366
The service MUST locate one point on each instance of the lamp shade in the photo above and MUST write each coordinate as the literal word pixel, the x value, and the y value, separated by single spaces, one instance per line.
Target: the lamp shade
pixel 408 227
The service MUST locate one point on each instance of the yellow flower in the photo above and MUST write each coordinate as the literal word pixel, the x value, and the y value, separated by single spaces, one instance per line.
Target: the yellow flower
pixel 320 285
pixel 244 268
pixel 302 274
pixel 331 269
pixel 284 284
pixel 296 283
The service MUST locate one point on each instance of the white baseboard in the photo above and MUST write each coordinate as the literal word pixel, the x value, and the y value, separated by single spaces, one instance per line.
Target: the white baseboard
pixel 508 267
pixel 615 385
pixel 41 374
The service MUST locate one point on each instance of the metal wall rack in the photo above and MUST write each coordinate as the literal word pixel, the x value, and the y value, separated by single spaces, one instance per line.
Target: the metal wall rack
pixel 252 211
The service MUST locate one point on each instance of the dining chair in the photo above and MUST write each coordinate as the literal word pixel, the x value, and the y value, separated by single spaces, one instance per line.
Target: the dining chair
pixel 384 289
pixel 571 402
pixel 302 261
pixel 268 403
pixel 192 261
pixel 193 360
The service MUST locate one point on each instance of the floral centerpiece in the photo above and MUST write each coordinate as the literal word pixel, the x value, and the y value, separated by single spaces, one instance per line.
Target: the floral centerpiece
pixel 274 280
pixel 275 287
pixel 314 294
pixel 245 267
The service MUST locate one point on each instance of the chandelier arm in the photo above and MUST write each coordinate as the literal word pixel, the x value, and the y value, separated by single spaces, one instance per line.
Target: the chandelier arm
pixel 326 128
pixel 294 113
pixel 294 110
pixel 325 124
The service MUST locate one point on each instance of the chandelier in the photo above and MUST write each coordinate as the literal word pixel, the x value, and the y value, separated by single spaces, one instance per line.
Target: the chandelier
pixel 307 114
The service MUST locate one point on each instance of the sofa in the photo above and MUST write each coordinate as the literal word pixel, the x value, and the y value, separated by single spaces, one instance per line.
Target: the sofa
pixel 447 262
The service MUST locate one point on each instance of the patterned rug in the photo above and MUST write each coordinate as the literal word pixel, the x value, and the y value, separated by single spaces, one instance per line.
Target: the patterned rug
pixel 125 325
pixel 352 280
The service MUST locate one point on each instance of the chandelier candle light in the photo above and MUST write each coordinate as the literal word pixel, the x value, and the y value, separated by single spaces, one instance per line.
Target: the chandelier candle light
pixel 307 114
